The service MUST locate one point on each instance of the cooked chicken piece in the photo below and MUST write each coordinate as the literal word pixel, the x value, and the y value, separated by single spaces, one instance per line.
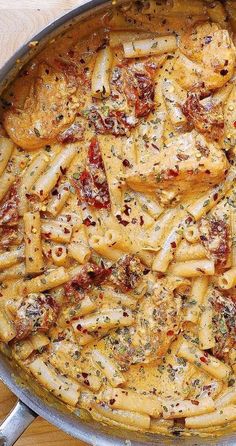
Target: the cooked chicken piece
pixel 214 235
pixel 47 111
pixel 206 55
pixel 224 323
pixel 37 312
pixel 187 162
pixel 158 321
pixel 229 139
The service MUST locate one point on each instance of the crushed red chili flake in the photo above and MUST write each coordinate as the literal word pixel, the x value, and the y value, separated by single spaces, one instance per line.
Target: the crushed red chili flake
pixel 170 333
pixel 88 222
pixel 127 210
pixel 141 220
pixel 126 163
pixel 121 221
pixel 203 359
pixel 173 244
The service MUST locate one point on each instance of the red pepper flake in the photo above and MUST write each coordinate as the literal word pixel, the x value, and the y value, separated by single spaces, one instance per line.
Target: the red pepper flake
pixel 234 123
pixel 203 359
pixel 121 221
pixel 195 402
pixel 112 401
pixel 88 222
pixel 141 220
pixel 215 196
pixel 170 333
pixel 127 210
pixel 173 245
pixel 126 163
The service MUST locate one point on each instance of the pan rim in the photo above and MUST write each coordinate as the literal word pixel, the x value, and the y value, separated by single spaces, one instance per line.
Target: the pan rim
pixel 71 424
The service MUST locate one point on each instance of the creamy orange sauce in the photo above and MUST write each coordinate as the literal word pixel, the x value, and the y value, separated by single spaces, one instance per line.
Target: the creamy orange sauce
pixel 117 217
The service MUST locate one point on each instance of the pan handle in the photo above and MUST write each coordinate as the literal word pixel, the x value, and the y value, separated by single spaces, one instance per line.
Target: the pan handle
pixel 15 424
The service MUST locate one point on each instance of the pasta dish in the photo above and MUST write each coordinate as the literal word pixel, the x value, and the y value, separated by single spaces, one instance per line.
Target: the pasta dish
pixel 118 217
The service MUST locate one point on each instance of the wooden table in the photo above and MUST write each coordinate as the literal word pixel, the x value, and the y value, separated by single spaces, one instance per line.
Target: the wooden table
pixel 19 21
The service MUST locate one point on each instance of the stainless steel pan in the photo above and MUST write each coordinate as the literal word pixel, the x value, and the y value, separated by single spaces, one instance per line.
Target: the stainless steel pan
pixel 32 400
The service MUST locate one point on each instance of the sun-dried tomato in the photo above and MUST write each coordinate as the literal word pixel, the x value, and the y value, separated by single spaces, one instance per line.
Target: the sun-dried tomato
pixel 90 274
pixel 92 186
pixel 9 208
pixel 209 121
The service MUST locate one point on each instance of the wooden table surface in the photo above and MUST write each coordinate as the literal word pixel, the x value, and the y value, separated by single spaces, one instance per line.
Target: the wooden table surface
pixel 19 21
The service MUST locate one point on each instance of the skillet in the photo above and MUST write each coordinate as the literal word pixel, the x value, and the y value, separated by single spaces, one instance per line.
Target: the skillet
pixel 32 401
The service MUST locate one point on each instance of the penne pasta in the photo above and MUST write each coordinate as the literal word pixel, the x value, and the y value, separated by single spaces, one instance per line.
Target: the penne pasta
pixel 125 418
pixel 59 255
pixel 9 258
pixel 226 398
pixel 209 200
pixel 105 320
pixel 165 255
pixel 233 237
pixel 57 231
pixel 217 418
pixel 108 367
pixel 65 389
pixel 48 180
pixel 186 251
pixel 193 268
pixel 6 149
pixel 7 179
pixel 228 279
pixel 31 175
pixel 78 247
pixel 191 234
pixel 205 329
pixel 198 292
pixel 204 360
pixel 59 199
pixel 33 245
pixel 98 244
pixel 16 271
pixel 46 281
pixel 187 408
pixel 101 73
pixel 147 47
pixel 7 331
pixel 126 399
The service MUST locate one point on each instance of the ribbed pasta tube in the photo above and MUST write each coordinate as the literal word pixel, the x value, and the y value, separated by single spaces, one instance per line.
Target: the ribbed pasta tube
pixel 147 47
pixel 48 180
pixel 33 245
pixel 101 73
